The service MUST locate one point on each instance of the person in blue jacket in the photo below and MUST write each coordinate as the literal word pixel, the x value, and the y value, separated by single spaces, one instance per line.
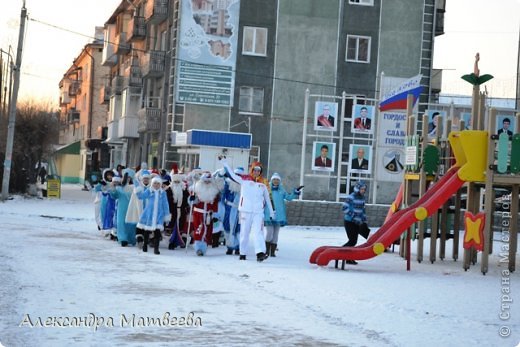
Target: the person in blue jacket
pixel 122 194
pixel 156 212
pixel 278 198
pixel 355 220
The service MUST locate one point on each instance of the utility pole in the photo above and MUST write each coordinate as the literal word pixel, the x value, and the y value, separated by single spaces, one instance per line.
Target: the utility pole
pixel 12 107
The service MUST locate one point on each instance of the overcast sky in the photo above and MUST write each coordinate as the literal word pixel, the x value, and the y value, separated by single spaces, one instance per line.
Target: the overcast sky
pixel 488 27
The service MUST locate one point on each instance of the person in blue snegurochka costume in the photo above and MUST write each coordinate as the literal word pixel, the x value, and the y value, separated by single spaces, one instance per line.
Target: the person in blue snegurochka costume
pixel 122 194
pixel 156 212
pixel 355 220
pixel 107 204
pixel 142 178
pixel 231 223
pixel 278 197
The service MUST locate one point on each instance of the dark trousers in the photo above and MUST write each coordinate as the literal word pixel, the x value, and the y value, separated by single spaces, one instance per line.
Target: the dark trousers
pixel 353 231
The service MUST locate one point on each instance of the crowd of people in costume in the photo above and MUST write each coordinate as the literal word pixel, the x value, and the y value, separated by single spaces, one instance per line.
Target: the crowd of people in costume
pixel 198 209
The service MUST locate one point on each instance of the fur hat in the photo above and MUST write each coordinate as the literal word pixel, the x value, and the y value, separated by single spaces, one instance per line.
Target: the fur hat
pixel 239 171
pixel 166 179
pixel 145 174
pixel 116 179
pixel 129 172
pixel 177 178
pixel 205 177
pixel 276 176
pixel 359 185
pixel 107 172
pixel 157 179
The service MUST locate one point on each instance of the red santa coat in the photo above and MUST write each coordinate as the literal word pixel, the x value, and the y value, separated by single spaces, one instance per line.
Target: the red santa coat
pixel 206 203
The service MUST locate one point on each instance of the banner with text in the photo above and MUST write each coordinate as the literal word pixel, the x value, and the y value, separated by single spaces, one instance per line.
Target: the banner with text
pixel 207 52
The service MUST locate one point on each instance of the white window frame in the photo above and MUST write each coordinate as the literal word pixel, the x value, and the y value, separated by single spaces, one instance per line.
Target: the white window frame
pixel 361 2
pixel 250 110
pixel 357 38
pixel 255 50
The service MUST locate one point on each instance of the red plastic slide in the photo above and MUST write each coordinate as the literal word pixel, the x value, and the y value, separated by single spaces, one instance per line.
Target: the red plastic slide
pixel 431 201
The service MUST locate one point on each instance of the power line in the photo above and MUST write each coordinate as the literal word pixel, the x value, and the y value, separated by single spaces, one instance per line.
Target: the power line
pixel 346 88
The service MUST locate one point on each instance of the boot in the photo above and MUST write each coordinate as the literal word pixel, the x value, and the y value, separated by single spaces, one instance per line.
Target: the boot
pixel 156 240
pixel 146 239
pixel 237 252
pixel 215 240
pixel 242 257
pixel 229 251
pixel 267 247
pixel 273 249
pixel 261 256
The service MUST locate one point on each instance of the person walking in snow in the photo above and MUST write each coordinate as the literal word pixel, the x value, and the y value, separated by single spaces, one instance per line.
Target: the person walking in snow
pixel 355 220
pixel 107 206
pixel 205 204
pixel 278 196
pixel 179 208
pixel 136 205
pixel 231 223
pixel 122 194
pixel 253 199
pixel 156 212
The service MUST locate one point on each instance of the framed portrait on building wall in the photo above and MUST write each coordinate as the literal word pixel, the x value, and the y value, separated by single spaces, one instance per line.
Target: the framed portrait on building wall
pixel 323 156
pixel 363 119
pixel 360 159
pixel 325 115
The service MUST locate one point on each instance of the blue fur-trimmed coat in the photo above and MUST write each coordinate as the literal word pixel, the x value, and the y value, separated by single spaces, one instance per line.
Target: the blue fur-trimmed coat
pixel 156 210
pixel 278 197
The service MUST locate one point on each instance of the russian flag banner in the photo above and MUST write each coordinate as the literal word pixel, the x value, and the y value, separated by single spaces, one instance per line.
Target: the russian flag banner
pixel 396 98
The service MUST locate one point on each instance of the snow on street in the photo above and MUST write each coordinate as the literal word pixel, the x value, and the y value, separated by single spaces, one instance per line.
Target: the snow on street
pixel 58 268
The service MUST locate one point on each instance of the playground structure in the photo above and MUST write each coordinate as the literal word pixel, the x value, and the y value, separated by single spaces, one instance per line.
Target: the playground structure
pixel 483 162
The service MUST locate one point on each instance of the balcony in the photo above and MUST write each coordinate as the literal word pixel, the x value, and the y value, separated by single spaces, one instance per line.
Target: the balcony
pixel 150 115
pixel 75 88
pixel 117 85
pixel 64 98
pixel 136 29
pixel 436 81
pixel 128 127
pixel 133 76
pixel 121 45
pixel 104 94
pixel 440 6
pixel 73 115
pixel 156 11
pixel 152 64
pixel 113 132
pixel 109 57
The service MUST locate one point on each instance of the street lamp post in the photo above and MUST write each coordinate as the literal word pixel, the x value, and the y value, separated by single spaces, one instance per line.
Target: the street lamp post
pixel 12 107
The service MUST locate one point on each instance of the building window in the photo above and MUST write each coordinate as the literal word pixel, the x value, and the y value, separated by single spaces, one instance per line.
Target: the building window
pixel 362 2
pixel 255 41
pixel 251 100
pixel 358 49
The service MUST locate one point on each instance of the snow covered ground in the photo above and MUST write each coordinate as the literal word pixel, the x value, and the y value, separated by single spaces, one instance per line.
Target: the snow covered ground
pixel 58 269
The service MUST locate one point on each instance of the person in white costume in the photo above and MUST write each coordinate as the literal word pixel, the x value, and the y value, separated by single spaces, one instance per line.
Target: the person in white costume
pixel 253 198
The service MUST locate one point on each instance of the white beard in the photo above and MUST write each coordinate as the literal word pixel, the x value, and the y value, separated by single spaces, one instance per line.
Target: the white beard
pixel 233 186
pixel 206 192
pixel 177 189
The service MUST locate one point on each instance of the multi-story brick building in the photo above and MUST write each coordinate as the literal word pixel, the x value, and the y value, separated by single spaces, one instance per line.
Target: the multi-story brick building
pixel 245 65
pixel 82 118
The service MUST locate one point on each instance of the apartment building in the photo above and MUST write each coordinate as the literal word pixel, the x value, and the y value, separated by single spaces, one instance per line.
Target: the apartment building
pixel 82 118
pixel 245 65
